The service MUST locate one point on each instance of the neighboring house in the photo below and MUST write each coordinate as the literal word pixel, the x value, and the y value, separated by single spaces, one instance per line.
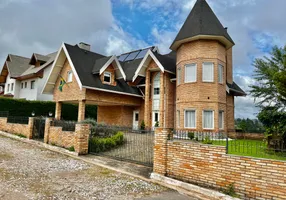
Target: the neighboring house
pixel 191 88
pixel 24 78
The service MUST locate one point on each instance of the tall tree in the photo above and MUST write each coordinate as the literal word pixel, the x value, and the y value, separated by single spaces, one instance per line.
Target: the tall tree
pixel 270 75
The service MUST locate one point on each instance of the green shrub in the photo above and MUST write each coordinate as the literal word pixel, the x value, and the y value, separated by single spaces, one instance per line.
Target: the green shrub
pixel 230 190
pixel 98 144
pixel 19 107
pixel 157 124
pixel 142 127
pixel 207 140
pixel 191 135
pixel 71 148
pixel 21 135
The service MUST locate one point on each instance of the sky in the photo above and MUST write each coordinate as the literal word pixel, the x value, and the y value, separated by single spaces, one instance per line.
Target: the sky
pixel 116 26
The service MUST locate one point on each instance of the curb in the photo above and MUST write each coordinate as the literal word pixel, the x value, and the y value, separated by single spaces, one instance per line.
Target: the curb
pixel 181 187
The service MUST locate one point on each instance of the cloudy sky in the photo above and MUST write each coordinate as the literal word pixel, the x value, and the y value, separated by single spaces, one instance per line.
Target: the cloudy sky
pixel 115 26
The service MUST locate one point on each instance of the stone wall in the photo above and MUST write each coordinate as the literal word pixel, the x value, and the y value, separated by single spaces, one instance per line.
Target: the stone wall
pixel 23 129
pixel 210 166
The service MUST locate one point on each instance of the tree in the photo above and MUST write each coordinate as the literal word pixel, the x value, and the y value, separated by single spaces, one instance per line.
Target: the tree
pixel 270 74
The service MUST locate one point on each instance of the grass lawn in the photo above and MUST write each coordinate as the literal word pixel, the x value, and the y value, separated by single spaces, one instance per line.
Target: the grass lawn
pixel 253 148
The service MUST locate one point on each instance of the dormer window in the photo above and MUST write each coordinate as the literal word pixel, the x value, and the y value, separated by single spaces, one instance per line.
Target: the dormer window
pixel 107 77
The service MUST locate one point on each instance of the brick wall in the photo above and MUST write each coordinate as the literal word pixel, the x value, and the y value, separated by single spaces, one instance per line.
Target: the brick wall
pixel 24 129
pixel 210 166
pixel 78 139
pixel 250 136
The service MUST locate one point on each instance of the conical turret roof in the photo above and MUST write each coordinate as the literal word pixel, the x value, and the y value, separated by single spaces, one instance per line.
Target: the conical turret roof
pixel 202 22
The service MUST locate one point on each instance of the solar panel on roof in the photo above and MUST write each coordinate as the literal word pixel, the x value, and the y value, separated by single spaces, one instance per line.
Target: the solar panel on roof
pixel 132 56
pixel 123 57
pixel 142 53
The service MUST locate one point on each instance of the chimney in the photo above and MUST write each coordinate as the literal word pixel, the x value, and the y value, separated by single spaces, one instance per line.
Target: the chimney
pixel 84 46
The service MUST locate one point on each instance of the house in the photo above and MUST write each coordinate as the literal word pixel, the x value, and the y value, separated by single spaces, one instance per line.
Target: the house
pixel 24 78
pixel 190 88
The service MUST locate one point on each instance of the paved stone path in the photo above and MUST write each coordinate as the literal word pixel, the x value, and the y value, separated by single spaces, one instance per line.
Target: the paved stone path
pixel 29 172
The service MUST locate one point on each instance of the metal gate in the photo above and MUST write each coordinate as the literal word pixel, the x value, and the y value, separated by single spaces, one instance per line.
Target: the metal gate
pixel 137 148
pixel 39 128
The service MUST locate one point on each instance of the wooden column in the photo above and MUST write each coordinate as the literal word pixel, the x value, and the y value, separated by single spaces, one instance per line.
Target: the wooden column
pixel 147 101
pixel 58 113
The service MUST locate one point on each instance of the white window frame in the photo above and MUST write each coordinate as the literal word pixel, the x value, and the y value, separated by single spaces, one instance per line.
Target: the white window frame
pixel 179 76
pixel 22 85
pixel 8 87
pixel 26 84
pixel 109 74
pixel 12 87
pixel 204 80
pixel 221 128
pixel 196 69
pixel 69 79
pixel 220 75
pixel 194 110
pixel 178 118
pixel 32 88
pixel 213 119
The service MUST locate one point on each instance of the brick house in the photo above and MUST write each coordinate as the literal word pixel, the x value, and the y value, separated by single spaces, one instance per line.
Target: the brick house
pixel 191 88
pixel 24 78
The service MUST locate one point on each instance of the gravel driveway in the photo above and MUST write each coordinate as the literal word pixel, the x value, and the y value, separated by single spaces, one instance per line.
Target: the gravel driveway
pixel 28 172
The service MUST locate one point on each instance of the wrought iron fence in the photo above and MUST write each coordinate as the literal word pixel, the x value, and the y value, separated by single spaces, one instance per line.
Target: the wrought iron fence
pixel 4 113
pixel 137 145
pixel 263 148
pixel 66 125
pixel 18 120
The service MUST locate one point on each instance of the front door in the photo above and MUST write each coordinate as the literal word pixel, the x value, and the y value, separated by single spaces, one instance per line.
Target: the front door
pixel 155 119
pixel 135 120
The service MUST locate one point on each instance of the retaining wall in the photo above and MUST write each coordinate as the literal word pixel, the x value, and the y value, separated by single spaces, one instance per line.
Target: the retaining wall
pixel 23 129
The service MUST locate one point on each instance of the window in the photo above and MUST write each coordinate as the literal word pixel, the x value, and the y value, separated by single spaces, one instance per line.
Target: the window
pixel 8 88
pixel 107 77
pixel 32 85
pixel 190 119
pixel 208 119
pixel 220 73
pixel 156 91
pixel 156 104
pixel 178 118
pixel 221 119
pixel 179 77
pixel 22 85
pixel 26 84
pixel 69 79
pixel 136 117
pixel 190 73
pixel 208 72
pixel 12 86
pixel 156 117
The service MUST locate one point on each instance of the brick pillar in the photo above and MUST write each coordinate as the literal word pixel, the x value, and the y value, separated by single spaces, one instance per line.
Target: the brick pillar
pixel 58 113
pixel 82 132
pixel 30 127
pixel 47 129
pixel 160 151
pixel 147 102
pixel 81 110
pixel 162 98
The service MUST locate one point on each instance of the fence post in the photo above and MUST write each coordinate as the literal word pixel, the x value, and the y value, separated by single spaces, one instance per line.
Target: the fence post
pixel 30 128
pixel 82 132
pixel 160 151
pixel 47 130
pixel 226 144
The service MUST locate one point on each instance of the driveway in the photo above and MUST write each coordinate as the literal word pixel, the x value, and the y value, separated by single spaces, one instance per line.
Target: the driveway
pixel 29 172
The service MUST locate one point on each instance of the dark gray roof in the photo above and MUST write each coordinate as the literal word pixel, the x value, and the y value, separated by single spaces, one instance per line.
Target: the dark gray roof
pixel 99 63
pixel 130 68
pixel 84 62
pixel 202 21
pixel 42 58
pixel 17 65
pixel 235 89
pixel 168 61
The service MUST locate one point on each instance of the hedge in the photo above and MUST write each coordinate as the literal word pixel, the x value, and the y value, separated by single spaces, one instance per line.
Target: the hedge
pixel 97 144
pixel 19 107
